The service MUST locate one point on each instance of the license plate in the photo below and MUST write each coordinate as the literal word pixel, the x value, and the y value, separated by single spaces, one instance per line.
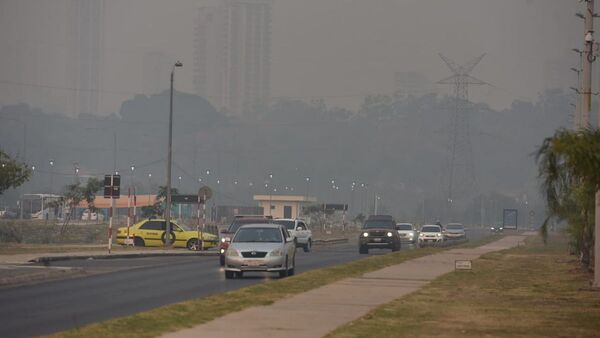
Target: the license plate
pixel 377 239
pixel 253 263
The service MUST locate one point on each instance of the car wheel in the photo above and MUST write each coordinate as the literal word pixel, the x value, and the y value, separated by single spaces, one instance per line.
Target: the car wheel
pixel 222 260
pixel 363 250
pixel 284 273
pixel 137 241
pixel 308 246
pixel 193 244
pixel 293 269
pixel 229 275
pixel 172 238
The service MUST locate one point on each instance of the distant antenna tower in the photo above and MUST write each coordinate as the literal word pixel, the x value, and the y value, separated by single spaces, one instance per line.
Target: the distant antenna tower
pixel 461 173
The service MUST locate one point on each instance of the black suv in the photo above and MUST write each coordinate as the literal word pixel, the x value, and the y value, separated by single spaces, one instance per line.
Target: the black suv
pixel 379 231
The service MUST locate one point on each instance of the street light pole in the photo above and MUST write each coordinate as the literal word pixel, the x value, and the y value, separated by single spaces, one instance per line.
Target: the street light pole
pixel 169 160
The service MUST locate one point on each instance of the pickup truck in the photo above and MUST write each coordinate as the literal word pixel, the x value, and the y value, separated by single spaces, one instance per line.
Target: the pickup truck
pixel 298 229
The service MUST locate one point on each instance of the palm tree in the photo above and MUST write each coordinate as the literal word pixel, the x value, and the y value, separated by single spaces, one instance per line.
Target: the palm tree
pixel 569 166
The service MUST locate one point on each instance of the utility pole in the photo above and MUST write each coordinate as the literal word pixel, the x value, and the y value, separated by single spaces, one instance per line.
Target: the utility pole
pixel 169 160
pixel 586 86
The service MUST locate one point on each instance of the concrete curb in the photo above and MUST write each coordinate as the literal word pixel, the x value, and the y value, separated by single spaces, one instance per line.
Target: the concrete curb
pixel 48 259
pixel 330 241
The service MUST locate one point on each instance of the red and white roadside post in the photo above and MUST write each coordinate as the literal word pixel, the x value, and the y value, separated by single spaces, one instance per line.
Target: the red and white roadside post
pixel 198 246
pixel 128 214
pixel 134 206
pixel 110 223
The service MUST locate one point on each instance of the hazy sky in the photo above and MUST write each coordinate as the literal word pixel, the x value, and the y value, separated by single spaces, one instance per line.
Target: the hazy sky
pixel 320 47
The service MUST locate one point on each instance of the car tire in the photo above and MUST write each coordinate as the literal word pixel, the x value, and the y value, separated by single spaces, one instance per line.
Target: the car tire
pixel 222 260
pixel 308 246
pixel 229 275
pixel 363 250
pixel 163 238
pixel 138 241
pixel 284 273
pixel 293 269
pixel 193 244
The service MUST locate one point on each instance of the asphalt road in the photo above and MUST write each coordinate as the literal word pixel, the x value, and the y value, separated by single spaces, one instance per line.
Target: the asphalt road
pixel 120 287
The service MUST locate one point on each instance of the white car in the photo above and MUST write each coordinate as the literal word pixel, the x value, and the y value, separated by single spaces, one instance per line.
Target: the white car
pixel 260 248
pixel 455 231
pixel 93 216
pixel 431 234
pixel 298 230
pixel 407 232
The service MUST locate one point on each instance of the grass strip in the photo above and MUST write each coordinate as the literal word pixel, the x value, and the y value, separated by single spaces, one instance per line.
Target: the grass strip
pixel 186 314
pixel 530 291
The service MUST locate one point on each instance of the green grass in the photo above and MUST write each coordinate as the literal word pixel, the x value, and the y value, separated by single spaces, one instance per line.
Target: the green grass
pixel 530 291
pixel 197 311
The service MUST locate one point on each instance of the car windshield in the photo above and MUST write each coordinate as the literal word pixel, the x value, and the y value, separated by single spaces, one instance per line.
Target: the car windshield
pixel 430 229
pixel 454 226
pixel 287 224
pixel 379 224
pixel 404 227
pixel 237 223
pixel 264 235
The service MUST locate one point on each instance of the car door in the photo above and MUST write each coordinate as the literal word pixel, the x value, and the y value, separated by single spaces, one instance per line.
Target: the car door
pixel 289 246
pixel 180 239
pixel 301 230
pixel 151 232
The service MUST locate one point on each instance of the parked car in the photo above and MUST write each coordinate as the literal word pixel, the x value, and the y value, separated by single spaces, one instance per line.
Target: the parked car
pixel 407 232
pixel 298 230
pixel 431 234
pixel 238 221
pixel 379 231
pixel 497 229
pixel 152 232
pixel 455 231
pixel 260 247
pixel 92 216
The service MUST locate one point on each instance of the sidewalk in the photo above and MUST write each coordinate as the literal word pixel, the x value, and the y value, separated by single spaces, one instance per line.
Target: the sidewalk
pixel 318 312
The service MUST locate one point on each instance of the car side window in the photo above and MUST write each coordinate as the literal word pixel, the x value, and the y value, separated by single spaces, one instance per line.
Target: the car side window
pixel 151 225
pixel 301 226
pixel 285 234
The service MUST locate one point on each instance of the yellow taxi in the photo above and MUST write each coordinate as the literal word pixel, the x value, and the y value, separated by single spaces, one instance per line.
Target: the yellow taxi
pixel 152 232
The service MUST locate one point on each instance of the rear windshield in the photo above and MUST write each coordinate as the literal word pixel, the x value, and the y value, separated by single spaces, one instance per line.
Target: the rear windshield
pixel 430 229
pixel 258 235
pixel 454 226
pixel 237 223
pixel 404 227
pixel 287 224
pixel 379 224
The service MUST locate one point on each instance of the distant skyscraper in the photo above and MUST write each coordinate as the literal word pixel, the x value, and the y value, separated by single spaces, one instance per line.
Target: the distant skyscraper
pixel 86 54
pixel 232 61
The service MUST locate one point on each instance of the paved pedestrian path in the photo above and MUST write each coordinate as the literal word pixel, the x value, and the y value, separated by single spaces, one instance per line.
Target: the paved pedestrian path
pixel 318 312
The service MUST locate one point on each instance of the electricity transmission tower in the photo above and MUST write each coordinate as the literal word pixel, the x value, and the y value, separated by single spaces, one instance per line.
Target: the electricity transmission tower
pixel 461 173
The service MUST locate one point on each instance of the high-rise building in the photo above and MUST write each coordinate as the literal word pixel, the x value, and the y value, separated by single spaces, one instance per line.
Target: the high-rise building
pixel 86 54
pixel 232 61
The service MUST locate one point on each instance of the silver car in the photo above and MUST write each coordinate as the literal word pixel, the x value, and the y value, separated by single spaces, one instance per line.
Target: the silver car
pixel 260 247
pixel 455 231
pixel 407 232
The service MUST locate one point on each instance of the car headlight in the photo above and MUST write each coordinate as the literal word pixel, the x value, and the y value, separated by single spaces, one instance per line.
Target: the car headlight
pixel 365 234
pixel 225 239
pixel 439 235
pixel 231 252
pixel 222 251
pixel 411 235
pixel 277 252
pixel 421 235
pixel 501 228
pixel 389 234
